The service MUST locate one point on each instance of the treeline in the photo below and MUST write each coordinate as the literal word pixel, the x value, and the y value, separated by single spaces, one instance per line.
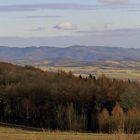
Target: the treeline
pixel 31 97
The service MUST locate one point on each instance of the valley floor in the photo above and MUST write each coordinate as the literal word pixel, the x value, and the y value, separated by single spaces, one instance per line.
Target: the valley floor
pixel 109 72
pixel 19 134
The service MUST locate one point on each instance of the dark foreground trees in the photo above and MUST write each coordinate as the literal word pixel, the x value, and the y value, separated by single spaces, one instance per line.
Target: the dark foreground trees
pixel 29 96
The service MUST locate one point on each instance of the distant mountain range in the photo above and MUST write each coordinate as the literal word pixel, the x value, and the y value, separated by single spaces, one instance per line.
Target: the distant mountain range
pixel 115 62
pixel 76 53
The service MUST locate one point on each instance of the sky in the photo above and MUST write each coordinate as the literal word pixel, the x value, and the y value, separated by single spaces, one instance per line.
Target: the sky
pixel 62 23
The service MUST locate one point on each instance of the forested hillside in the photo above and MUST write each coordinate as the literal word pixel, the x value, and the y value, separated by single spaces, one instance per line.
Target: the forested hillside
pixel 31 97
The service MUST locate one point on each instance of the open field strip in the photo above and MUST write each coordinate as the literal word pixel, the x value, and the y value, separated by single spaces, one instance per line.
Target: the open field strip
pixel 109 72
pixel 19 134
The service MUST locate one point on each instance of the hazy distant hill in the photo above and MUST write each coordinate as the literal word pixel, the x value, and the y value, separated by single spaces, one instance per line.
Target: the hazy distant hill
pixel 78 53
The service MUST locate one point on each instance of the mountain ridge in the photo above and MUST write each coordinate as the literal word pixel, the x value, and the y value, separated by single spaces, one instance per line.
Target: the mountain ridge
pixel 76 52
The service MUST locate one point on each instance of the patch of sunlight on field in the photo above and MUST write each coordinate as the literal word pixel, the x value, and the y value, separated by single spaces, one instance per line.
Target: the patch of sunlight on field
pixel 19 134
pixel 123 74
pixel 112 62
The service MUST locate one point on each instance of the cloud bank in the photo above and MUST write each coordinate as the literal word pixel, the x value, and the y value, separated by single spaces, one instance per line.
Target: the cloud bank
pixel 114 1
pixel 46 16
pixel 54 6
pixel 39 29
pixel 115 38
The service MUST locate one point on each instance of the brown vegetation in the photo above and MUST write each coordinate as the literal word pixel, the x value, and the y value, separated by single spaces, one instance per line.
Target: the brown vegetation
pixel 61 101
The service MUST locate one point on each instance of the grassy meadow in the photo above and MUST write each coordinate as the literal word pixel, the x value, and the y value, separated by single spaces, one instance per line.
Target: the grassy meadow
pixel 19 134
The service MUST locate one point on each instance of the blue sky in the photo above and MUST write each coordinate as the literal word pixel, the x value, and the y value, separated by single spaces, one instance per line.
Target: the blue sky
pixel 63 23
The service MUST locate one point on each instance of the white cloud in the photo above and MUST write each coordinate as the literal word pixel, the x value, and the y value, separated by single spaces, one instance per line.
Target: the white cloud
pixel 65 26
pixel 114 1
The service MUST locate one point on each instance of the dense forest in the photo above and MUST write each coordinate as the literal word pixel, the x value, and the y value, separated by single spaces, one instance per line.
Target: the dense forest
pixel 62 101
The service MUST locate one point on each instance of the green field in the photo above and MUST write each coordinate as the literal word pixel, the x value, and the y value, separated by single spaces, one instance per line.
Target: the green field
pixel 19 134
